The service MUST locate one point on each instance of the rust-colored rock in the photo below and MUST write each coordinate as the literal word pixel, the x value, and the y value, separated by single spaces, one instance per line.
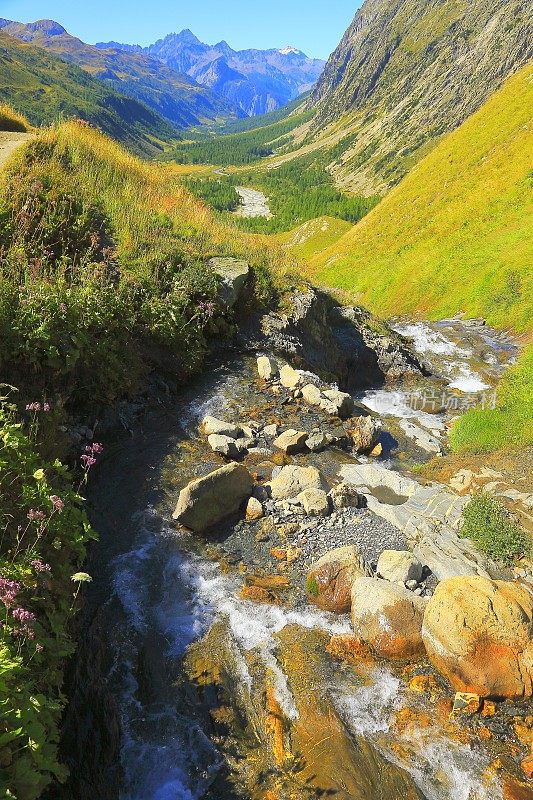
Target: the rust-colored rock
pixel 349 648
pixel 388 618
pixel 479 634
pixel 258 595
pixel 516 791
pixel 330 579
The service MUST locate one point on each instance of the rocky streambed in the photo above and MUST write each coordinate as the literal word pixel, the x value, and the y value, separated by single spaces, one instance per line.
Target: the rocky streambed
pixel 220 659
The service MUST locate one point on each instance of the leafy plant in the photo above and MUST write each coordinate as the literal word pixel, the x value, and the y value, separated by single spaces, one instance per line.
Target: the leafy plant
pixel 489 526
pixel 43 533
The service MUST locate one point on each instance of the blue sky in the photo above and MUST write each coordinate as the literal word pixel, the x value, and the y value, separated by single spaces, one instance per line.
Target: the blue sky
pixel 314 26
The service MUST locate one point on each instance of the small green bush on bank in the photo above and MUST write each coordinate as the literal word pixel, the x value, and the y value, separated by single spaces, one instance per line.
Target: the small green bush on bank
pixel 488 525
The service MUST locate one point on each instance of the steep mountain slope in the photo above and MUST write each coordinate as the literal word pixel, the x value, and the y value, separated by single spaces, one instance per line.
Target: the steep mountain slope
pixel 455 234
pixel 176 96
pixel 45 88
pixel 257 81
pixel 408 71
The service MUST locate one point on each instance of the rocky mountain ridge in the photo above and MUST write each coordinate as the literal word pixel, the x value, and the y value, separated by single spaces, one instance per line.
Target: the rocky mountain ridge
pixel 256 81
pixel 405 73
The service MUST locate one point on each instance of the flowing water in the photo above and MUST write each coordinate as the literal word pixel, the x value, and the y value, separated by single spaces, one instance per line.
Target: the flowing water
pixel 191 661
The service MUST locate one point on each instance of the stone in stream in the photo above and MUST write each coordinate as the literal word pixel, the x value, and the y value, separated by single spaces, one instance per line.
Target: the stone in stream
pixel 338 404
pixel 291 480
pixel 388 618
pixel 330 579
pixel 233 274
pixel 317 442
pixel 291 441
pixel 213 425
pixel 271 430
pixel 214 497
pixel 422 438
pixel 315 502
pixel 399 566
pixel 429 516
pixel 254 509
pixel 479 634
pixel 312 394
pixel 289 377
pixel 224 445
pixel 364 432
pixel 267 368
pixel 344 495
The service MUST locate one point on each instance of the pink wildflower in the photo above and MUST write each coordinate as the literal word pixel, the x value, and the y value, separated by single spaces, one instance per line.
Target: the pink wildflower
pixel 23 615
pixel 88 461
pixel 57 503
pixel 39 648
pixel 8 591
pixel 33 406
pixel 40 566
pixel 47 407
pixel 35 515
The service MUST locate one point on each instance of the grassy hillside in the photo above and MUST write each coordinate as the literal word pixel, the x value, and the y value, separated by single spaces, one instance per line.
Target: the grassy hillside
pixel 456 233
pixel 313 236
pixel 176 97
pixel 46 89
pixel 11 120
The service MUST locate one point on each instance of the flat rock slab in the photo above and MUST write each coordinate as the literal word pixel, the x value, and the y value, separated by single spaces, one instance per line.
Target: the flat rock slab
pixel 430 518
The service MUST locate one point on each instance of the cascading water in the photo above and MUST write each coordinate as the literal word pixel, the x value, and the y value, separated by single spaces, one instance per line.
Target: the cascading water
pixel 168 590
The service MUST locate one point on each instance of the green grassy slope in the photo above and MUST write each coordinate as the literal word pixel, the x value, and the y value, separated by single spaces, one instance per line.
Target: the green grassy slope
pixel 456 233
pixel 176 97
pixel 44 88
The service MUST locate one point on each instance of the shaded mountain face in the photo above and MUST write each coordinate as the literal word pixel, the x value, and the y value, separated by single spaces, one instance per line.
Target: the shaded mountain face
pixel 408 71
pixel 46 88
pixel 256 81
pixel 177 97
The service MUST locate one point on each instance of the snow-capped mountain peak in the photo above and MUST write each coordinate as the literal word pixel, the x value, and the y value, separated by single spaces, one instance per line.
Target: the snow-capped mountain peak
pixel 289 50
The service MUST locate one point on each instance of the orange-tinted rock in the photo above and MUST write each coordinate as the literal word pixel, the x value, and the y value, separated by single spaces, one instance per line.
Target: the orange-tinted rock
pixel 388 618
pixel 330 579
pixel 349 648
pixel 274 726
pixel 258 595
pixel 479 634
pixel 444 708
pixel 279 553
pixel 466 703
pixel 527 766
pixel 423 683
pixel 489 708
pixel 516 791
pixel 268 581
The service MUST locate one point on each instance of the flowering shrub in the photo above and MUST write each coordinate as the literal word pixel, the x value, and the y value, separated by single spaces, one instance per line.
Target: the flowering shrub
pixel 43 532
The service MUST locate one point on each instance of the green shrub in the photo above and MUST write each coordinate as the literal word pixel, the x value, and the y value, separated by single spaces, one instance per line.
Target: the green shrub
pixel 488 525
pixel 43 535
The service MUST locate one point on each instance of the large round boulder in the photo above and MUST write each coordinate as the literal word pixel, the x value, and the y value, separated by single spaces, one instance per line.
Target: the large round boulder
pixel 479 634
pixel 388 618
pixel 291 480
pixel 330 579
pixel 210 499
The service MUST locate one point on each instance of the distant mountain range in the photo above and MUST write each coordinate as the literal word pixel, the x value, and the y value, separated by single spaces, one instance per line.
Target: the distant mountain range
pixel 255 81
pixel 46 89
pixel 177 97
